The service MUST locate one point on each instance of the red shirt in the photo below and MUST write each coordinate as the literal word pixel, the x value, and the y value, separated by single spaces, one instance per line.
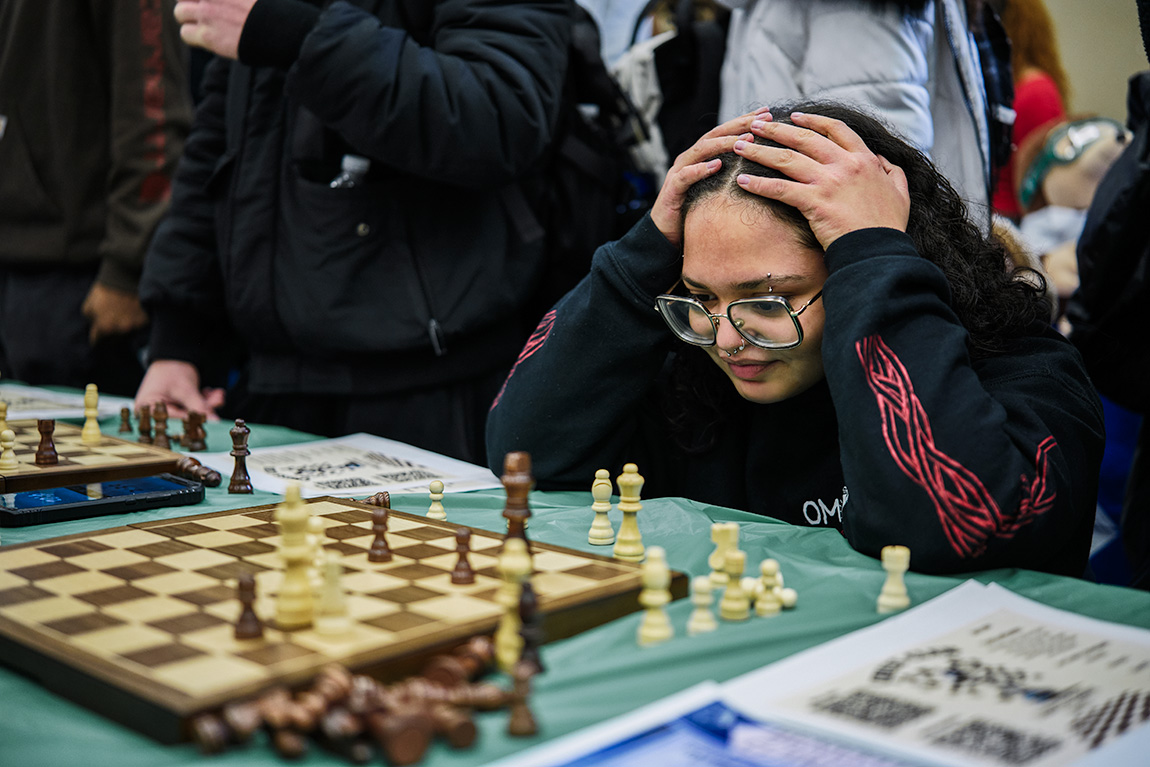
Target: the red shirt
pixel 1036 102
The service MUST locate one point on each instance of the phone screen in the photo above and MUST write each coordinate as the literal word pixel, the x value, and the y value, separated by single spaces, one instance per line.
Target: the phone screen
pixel 33 499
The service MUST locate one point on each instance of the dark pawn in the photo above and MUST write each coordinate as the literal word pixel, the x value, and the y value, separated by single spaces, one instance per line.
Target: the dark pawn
pixel 241 482
pixel 195 439
pixel 248 625
pixel 517 481
pixel 160 417
pixel 379 551
pixel 46 452
pixel 382 498
pixel 521 722
pixel 125 420
pixel 463 574
pixel 531 629
pixel 145 424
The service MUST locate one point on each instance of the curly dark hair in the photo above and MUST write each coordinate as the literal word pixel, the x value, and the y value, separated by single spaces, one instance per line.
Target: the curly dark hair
pixel 996 301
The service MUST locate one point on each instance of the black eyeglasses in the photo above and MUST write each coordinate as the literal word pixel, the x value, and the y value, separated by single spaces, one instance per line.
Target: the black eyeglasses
pixel 768 322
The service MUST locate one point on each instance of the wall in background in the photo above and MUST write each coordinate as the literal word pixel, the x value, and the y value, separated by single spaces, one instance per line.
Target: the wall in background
pixel 1101 47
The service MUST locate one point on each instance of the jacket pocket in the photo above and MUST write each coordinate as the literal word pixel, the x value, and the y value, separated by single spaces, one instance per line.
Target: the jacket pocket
pixel 344 277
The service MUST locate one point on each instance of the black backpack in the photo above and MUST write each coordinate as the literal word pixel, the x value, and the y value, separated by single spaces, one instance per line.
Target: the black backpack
pixel 591 191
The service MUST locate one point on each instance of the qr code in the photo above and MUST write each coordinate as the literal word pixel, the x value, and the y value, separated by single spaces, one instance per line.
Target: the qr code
pixel 878 710
pixel 999 742
pixel 348 483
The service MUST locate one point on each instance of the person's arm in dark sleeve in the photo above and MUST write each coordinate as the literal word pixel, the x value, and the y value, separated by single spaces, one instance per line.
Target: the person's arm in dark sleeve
pixel 973 465
pixel 574 396
pixel 474 107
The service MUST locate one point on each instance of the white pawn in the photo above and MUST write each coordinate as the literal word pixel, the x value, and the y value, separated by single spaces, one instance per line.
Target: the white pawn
pixel 3 415
pixel 90 434
pixel 702 619
pixel 8 460
pixel 735 604
pixel 435 510
pixel 602 533
pixel 896 561
pixel 331 618
pixel 767 599
pixel 655 626
pixel 725 536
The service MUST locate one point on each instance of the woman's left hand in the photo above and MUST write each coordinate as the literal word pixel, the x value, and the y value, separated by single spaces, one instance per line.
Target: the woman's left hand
pixel 834 179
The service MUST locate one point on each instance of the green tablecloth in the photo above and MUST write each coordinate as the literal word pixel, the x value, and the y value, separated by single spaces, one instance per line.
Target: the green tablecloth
pixel 591 677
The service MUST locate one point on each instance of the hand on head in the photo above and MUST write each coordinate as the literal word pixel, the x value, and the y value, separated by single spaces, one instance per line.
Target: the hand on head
pixel 833 178
pixel 696 164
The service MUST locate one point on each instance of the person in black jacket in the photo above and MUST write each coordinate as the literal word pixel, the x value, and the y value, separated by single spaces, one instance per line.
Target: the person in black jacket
pixel 393 304
pixel 857 356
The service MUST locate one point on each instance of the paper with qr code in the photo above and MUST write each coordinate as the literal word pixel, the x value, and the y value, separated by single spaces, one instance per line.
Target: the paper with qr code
pixel 993 680
pixel 354 466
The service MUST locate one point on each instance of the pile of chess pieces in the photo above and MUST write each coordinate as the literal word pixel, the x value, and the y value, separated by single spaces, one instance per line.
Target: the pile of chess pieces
pixel 356 716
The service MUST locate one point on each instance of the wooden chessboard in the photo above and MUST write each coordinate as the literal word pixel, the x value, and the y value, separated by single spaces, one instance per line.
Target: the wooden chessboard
pixel 80 464
pixel 137 622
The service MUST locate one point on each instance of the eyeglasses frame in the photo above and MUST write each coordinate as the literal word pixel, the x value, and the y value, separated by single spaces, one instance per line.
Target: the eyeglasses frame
pixel 714 318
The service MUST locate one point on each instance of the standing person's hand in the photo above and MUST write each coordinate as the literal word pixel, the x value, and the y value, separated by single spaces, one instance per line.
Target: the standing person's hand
pixel 214 25
pixel 177 384
pixel 833 178
pixel 696 164
pixel 111 312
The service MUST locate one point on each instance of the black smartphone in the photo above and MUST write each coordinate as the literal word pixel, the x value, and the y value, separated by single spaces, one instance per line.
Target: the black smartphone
pixel 58 504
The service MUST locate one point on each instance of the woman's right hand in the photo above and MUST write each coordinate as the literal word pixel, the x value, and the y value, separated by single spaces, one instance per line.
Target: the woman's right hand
pixel 695 164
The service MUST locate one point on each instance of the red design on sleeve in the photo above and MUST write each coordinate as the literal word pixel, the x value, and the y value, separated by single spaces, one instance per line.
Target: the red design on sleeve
pixel 968 514
pixel 534 343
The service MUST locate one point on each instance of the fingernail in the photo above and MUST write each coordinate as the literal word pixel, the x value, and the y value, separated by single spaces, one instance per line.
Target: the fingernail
pixel 798 114
pixel 714 164
pixel 743 179
pixel 739 145
pixel 758 125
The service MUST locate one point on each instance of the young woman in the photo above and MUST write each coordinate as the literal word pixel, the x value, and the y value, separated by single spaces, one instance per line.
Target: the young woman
pixel 857 355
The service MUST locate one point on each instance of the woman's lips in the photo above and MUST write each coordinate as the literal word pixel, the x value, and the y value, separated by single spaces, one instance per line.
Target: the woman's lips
pixel 747 370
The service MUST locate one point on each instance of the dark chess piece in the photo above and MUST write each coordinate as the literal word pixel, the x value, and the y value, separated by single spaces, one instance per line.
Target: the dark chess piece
pixel 379 551
pixel 145 424
pixel 248 625
pixel 125 420
pixel 382 498
pixel 521 722
pixel 160 419
pixel 517 481
pixel 189 468
pixel 463 574
pixel 195 438
pixel 531 630
pixel 46 453
pixel 241 482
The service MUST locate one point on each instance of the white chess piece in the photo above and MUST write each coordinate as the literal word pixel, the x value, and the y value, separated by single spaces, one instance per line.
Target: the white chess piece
pixel 735 604
pixel 8 460
pixel 655 626
pixel 629 543
pixel 90 433
pixel 896 561
pixel 725 536
pixel 601 533
pixel 331 618
pixel 436 510
pixel 702 619
pixel 767 600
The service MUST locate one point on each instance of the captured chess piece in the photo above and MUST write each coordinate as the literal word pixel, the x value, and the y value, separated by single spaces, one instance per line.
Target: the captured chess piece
pixel 125 420
pixel 768 601
pixel 463 574
pixel 602 533
pixel 629 542
pixel 435 510
pixel 90 434
pixel 46 451
pixel 241 482
pixel 530 627
pixel 379 551
pixel 144 424
pixel 189 468
pixel 736 603
pixel 896 561
pixel 248 626
pixel 382 498
pixel 160 422
pixel 655 626
pixel 725 536
pixel 8 460
pixel 702 619
pixel 521 722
